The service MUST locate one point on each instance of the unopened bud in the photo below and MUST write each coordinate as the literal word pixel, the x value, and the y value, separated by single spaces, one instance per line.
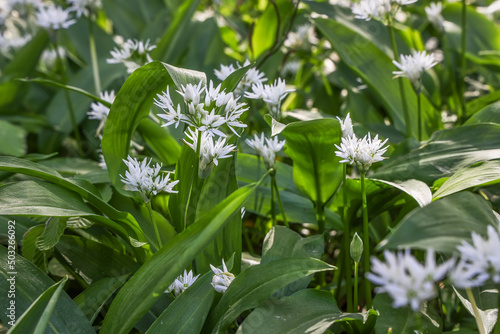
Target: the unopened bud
pixel 356 248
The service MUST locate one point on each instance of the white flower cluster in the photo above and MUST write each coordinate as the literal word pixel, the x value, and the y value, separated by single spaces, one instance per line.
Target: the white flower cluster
pixel 412 67
pixel 253 76
pixel 271 94
pixel 362 152
pixel 382 10
pixel 433 12
pixel 301 39
pixel 84 7
pixel 54 17
pixel 266 148
pixel 221 278
pixel 145 179
pixel 100 111
pixel 132 53
pixel 210 150
pixel 407 281
pixel 182 282
pixel 479 261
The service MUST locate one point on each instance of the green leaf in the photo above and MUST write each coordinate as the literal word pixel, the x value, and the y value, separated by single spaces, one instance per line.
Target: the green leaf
pixel 488 114
pixel 30 250
pixel 316 169
pixel 161 142
pixel 92 299
pixel 307 311
pixel 416 189
pixel 147 285
pixel 445 153
pixel 30 284
pixel 132 104
pixel 36 317
pixel 471 176
pixel 404 320
pixel 256 284
pixel 188 312
pixel 54 229
pixel 443 224
pixel 486 300
pixel 15 136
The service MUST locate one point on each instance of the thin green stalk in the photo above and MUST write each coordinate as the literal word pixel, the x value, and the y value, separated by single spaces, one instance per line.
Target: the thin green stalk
pixel 275 186
pixel 356 301
pixel 462 59
pixel 366 242
pixel 400 82
pixel 93 59
pixel 479 320
pixel 347 237
pixel 497 325
pixel 273 205
pixel 157 232
pixel 419 114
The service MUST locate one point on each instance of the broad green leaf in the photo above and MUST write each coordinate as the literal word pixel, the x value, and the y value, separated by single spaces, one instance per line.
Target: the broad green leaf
pixel 316 169
pixel 188 311
pixel 132 104
pixel 443 224
pixel 146 286
pixel 256 284
pixel 31 252
pixel 30 284
pixel 92 299
pixel 404 320
pixel 306 311
pixel 123 224
pixel 36 317
pixel 161 142
pixel 281 242
pixel 54 229
pixel 488 114
pixel 94 261
pixel 472 176
pixel 15 137
pixel 445 153
pixel 416 189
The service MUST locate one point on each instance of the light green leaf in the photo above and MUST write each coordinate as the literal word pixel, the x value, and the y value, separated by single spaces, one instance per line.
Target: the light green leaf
pixel 256 284
pixel 471 176
pixel 443 224
pixel 15 137
pixel 147 285
pixel 416 189
pixel 161 142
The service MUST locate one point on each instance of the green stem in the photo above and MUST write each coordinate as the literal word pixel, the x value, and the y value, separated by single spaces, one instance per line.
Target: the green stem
pixel 157 232
pixel 400 82
pixel 462 59
pixel 419 114
pixel 356 301
pixel 275 186
pixel 347 237
pixel 273 204
pixel 93 58
pixel 366 242
pixel 497 325
pixel 477 315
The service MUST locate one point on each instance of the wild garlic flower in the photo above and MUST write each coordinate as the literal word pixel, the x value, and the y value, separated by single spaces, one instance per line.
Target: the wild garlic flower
pixel 346 126
pixel 221 278
pixel 362 152
pixel 10 44
pixel 84 7
pixel 301 39
pixel 382 10
pixel 266 148
pixel 132 53
pixel 100 111
pixel 434 16
pixel 145 179
pixel 182 282
pixel 407 281
pixel 412 67
pixel 253 76
pixel 54 17
pixel 479 261
pixel 206 108
pixel 211 150
pixel 271 94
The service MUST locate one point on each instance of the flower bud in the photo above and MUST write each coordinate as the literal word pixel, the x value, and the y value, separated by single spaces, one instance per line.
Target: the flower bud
pixel 356 248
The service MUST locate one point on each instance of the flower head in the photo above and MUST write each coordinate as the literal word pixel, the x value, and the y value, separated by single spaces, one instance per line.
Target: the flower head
pixel 53 17
pixel 362 152
pixel 412 66
pixel 271 94
pixel 346 126
pixel 266 148
pixel 407 281
pixel 182 282
pixel 100 111
pixel 84 7
pixel 133 54
pixel 252 76
pixel 221 278
pixel 145 179
pixel 302 38
pixel 433 12
pixel 380 10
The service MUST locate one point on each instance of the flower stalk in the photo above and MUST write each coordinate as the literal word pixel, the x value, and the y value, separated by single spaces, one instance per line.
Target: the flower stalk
pixel 463 61
pixel 93 58
pixel 155 226
pixel 477 315
pixel 274 186
pixel 347 236
pixel 366 242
